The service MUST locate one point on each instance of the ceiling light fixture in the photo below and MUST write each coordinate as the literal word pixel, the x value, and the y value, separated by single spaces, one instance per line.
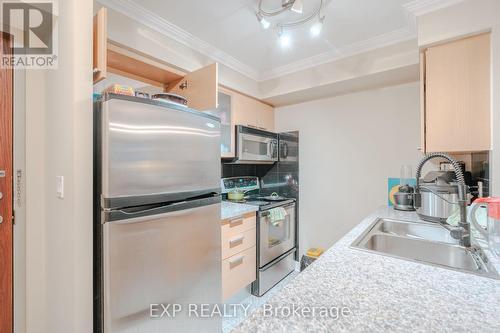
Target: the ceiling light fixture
pixel 296 6
pixel 317 27
pixel 265 23
pixel 284 39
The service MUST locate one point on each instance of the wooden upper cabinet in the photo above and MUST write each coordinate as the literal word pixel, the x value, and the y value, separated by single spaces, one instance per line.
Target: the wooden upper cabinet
pixel 200 87
pixel 265 117
pixel 457 96
pixel 225 111
pixel 253 113
pixel 237 109
pixel 99 54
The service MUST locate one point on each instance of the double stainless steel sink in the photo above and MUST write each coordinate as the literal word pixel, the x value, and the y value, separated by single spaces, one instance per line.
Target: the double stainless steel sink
pixel 423 242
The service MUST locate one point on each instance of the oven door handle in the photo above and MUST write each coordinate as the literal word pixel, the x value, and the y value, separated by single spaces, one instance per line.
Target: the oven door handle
pixel 266 212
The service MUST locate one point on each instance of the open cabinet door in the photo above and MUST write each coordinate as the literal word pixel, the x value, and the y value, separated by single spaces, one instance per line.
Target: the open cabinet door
pixel 100 37
pixel 200 88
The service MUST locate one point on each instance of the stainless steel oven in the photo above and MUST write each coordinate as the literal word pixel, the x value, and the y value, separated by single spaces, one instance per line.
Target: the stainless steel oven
pixel 275 248
pixel 256 146
pixel 276 238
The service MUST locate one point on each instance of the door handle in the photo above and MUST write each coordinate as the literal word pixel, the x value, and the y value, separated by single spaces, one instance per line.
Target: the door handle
pixel 1 195
pixel 1 219
pixel 235 222
pixel 236 261
pixel 236 240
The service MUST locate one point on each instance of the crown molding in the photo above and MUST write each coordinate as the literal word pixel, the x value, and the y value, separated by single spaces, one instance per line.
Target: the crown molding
pixel 421 7
pixel 151 20
pixel 387 39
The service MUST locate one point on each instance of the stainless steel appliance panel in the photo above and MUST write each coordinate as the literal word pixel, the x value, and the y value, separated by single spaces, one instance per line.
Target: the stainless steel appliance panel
pixel 273 273
pixel 288 148
pixel 434 208
pixel 149 149
pixel 276 239
pixel 256 146
pixel 162 259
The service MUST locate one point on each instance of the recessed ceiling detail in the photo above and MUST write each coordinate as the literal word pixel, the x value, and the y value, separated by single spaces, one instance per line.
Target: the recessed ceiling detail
pixel 228 32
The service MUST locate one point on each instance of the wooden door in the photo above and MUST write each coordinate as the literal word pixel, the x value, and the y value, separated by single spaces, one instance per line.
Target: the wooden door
pixel 457 100
pixel 6 264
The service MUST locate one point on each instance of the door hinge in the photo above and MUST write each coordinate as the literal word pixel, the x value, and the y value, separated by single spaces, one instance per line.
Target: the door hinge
pixel 13 217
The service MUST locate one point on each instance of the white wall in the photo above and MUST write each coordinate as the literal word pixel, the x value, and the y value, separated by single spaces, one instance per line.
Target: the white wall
pixel 59 142
pixel 349 146
pixel 466 18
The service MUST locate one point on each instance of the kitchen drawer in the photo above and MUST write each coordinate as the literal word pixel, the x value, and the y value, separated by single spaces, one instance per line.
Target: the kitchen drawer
pixel 238 271
pixel 237 225
pixel 233 244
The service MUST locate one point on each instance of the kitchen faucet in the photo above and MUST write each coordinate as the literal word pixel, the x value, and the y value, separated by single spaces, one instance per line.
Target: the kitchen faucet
pixel 462 232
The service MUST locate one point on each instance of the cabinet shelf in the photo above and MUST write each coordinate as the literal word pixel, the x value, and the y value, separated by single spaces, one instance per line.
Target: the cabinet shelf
pixel 199 87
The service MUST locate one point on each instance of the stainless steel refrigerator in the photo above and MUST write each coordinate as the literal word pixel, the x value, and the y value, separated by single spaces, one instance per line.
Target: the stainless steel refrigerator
pixel 157 215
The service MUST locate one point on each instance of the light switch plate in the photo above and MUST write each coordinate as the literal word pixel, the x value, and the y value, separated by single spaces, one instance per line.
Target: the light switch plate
pixel 60 187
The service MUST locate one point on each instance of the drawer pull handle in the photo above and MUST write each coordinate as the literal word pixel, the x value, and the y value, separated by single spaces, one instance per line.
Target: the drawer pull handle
pixel 236 241
pixel 236 261
pixel 235 222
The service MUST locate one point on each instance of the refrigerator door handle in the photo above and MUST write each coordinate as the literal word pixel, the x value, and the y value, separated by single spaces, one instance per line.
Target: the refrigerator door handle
pixel 132 216
pixel 150 211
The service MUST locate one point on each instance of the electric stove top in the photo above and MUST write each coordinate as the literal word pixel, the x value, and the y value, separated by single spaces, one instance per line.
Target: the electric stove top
pixel 252 184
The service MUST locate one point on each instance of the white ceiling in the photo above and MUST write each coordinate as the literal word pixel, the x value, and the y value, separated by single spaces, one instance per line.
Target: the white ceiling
pixel 228 30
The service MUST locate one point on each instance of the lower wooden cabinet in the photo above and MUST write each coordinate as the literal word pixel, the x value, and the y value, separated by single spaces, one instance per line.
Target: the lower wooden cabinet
pixel 237 242
pixel 238 271
pixel 239 252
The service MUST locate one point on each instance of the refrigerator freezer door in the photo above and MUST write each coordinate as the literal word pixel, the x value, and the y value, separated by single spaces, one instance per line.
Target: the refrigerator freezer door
pixel 171 258
pixel 150 152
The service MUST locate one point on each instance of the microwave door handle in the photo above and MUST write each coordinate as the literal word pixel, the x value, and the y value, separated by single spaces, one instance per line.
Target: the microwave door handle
pixel 274 149
pixel 285 149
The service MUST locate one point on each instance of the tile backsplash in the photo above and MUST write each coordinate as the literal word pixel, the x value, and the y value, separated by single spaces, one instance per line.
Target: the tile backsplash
pixel 238 170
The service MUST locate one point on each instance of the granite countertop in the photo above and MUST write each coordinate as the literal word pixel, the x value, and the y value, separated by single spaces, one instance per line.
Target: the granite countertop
pixel 231 209
pixel 377 293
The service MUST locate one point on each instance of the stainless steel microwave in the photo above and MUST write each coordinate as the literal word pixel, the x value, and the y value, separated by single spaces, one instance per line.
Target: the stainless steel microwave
pixel 255 146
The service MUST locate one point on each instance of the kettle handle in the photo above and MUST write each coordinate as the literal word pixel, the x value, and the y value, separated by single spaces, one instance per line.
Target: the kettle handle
pixel 473 210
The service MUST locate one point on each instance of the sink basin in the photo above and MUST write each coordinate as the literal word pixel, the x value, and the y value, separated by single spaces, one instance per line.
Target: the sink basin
pixel 423 242
pixel 431 252
pixel 420 230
